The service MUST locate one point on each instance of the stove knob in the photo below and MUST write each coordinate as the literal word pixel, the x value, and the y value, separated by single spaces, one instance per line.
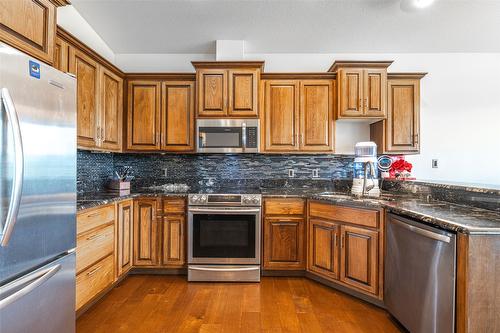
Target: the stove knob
pixel 245 200
pixel 256 201
pixel 194 199
pixel 204 198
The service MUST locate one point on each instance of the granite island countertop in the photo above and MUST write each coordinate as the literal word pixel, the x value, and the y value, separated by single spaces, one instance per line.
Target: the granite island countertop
pixel 449 216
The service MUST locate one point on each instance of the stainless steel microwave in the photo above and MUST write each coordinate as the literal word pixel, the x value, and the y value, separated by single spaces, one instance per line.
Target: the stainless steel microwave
pixel 227 135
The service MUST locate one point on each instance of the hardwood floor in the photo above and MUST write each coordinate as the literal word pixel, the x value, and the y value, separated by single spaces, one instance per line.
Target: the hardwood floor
pixel 169 304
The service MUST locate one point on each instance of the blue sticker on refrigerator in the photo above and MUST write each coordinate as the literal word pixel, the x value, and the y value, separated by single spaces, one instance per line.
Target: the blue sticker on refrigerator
pixel 34 69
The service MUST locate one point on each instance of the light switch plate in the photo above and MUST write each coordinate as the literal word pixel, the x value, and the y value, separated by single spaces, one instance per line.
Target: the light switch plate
pixel 291 173
pixel 434 163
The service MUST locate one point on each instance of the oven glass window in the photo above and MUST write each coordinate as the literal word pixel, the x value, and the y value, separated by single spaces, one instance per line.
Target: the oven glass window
pixel 221 137
pixel 223 236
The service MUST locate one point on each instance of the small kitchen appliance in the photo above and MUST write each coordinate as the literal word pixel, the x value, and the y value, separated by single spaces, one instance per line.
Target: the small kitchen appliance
pixel 365 171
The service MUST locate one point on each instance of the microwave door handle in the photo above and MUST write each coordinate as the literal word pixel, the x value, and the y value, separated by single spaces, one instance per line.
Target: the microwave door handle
pixel 203 140
pixel 244 136
pixel 17 186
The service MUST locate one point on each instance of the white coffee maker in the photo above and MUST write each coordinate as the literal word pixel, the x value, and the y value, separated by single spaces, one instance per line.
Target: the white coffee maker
pixel 365 171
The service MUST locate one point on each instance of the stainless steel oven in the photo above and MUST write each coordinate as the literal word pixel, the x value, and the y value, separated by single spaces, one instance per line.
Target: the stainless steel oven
pixel 227 135
pixel 224 237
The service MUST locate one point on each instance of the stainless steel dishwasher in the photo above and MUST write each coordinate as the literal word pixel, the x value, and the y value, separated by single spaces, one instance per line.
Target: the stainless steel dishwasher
pixel 419 288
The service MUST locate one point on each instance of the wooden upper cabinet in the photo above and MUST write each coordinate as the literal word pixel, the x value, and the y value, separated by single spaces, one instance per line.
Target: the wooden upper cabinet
pixel 403 121
pixel 400 132
pixel 111 110
pixel 212 92
pixel 316 115
pixel 143 125
pixel 86 70
pixel 177 118
pixel 228 88
pixel 29 25
pixel 145 233
pixel 375 83
pixel 243 93
pixel 359 258
pixel 61 55
pixel 323 254
pixel 281 112
pixel 125 228
pixel 361 88
pixel 350 92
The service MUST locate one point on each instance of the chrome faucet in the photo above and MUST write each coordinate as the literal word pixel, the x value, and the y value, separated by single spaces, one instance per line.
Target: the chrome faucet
pixel 372 177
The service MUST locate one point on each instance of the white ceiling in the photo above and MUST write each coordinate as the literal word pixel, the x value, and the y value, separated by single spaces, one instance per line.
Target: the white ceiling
pixel 293 26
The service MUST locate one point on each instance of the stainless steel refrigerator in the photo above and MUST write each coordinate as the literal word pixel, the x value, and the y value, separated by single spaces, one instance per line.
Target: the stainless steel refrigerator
pixel 38 196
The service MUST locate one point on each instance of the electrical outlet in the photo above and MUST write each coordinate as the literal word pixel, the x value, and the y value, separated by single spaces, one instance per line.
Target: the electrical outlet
pixel 315 173
pixel 291 173
pixel 434 163
pixel 165 172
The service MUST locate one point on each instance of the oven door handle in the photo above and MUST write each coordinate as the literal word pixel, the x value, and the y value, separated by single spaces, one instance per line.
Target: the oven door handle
pixel 223 269
pixel 223 211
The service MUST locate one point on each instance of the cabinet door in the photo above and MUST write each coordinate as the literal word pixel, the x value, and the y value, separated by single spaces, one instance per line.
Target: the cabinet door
pixel 359 258
pixel 316 115
pixel 212 92
pixel 281 113
pixel 350 93
pixel 375 92
pixel 177 126
pixel 145 233
pixel 87 76
pixel 111 110
pixel 323 248
pixel 125 230
pixel 173 245
pixel 403 118
pixel 61 55
pixel 143 127
pixel 243 93
pixel 29 25
pixel 284 243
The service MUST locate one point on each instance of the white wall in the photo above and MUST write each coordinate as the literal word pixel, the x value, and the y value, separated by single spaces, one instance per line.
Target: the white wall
pixel 69 19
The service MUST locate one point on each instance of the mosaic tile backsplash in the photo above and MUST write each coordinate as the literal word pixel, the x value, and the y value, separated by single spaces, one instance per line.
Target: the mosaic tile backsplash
pixel 148 169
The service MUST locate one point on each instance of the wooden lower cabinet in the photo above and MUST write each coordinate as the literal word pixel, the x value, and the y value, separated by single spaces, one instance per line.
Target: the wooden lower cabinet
pixel 145 232
pixel 359 258
pixel 124 239
pixel 284 234
pixel 173 243
pixel 323 249
pixel 346 246
pixel 93 280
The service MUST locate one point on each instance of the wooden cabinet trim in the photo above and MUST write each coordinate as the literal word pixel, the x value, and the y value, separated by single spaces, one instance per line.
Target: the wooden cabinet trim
pixel 357 216
pixel 278 206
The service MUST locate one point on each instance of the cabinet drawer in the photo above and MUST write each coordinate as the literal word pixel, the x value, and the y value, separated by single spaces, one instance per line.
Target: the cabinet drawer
pixel 92 246
pixel 174 206
pixel 94 218
pixel 362 217
pixel 93 280
pixel 284 207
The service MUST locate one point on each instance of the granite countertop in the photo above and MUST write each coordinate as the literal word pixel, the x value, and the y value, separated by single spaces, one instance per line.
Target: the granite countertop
pixel 445 215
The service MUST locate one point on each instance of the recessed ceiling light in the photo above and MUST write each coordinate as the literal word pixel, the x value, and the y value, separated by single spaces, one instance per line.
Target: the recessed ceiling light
pixel 409 5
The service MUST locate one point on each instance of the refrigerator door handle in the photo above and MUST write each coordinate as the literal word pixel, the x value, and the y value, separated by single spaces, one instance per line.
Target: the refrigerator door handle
pixel 15 197
pixel 30 282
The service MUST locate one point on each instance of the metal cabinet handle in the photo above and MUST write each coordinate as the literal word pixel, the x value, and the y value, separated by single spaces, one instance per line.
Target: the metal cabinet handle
pixel 95 270
pixel 96 236
pixel 17 186
pixel 37 278
pixel 212 269
pixel 342 241
pixel 366 103
pixel 416 138
pixel 102 134
pixel 244 136
pixel 335 240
